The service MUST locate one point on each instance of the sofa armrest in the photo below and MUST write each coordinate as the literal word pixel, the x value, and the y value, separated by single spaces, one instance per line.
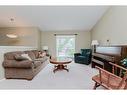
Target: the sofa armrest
pixel 18 64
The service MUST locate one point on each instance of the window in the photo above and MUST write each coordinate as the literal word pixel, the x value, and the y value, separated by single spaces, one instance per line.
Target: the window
pixel 65 45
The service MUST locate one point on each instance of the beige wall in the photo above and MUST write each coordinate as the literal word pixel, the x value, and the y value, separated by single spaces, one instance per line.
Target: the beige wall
pixel 27 36
pixel 83 40
pixel 112 26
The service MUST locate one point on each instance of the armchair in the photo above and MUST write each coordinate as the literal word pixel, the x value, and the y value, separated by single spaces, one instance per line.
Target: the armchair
pixel 84 57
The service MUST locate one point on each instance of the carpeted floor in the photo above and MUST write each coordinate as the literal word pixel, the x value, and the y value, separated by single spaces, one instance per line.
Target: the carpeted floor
pixel 78 77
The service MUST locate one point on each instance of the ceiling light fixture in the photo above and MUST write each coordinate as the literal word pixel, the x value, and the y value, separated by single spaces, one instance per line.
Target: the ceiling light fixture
pixel 11 35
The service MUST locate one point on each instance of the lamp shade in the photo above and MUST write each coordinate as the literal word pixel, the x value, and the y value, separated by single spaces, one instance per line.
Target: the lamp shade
pixel 94 42
pixel 45 47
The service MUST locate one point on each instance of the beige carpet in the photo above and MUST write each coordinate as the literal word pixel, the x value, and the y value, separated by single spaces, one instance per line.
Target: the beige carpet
pixel 78 77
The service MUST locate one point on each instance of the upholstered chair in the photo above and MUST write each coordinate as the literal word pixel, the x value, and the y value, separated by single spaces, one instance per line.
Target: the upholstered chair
pixel 84 57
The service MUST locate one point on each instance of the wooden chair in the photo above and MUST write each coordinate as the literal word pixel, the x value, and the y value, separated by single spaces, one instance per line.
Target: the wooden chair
pixel 115 80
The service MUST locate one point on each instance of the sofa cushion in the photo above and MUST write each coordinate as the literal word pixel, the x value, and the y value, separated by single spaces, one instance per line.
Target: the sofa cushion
pixel 18 64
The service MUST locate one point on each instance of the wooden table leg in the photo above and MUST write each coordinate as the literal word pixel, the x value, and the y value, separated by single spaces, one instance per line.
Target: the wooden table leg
pixel 60 67
pixel 66 69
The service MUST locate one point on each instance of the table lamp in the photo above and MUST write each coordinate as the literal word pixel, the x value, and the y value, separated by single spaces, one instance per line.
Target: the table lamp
pixel 94 44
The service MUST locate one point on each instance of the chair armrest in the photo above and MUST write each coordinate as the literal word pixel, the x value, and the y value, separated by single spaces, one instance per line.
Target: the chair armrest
pixel 107 72
pixel 18 64
pixel 77 54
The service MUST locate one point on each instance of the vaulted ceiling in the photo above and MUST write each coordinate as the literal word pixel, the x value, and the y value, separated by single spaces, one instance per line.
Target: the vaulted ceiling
pixel 51 18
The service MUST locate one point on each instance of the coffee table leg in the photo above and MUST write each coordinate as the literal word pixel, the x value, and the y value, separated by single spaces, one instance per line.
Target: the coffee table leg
pixel 65 66
pixel 55 68
pixel 60 67
pixel 66 69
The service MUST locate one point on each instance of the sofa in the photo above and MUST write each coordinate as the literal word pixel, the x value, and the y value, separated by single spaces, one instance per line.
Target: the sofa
pixel 23 69
pixel 84 57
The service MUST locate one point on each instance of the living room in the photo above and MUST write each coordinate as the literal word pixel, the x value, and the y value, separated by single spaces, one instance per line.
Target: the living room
pixel 36 38
pixel 44 28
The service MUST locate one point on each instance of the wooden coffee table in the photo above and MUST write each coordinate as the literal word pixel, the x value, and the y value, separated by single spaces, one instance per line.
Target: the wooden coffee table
pixel 60 63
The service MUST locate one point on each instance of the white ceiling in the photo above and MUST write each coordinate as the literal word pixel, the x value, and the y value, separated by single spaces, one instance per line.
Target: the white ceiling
pixel 52 18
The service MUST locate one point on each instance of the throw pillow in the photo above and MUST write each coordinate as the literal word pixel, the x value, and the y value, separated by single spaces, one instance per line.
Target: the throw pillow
pixel 42 54
pixel 19 57
pixel 26 56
